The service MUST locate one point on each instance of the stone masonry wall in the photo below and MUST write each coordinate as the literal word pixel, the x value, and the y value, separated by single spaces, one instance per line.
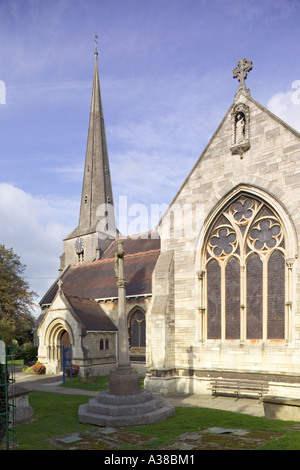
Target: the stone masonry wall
pixel 269 168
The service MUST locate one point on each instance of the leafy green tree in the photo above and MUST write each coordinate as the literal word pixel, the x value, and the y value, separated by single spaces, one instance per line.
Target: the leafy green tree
pixel 28 352
pixel 16 298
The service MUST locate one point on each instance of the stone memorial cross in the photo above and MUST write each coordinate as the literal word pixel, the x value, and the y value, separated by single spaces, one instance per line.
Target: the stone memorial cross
pixel 124 381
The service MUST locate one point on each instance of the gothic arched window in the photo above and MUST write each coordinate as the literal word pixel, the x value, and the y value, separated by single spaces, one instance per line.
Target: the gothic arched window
pixel 137 329
pixel 245 273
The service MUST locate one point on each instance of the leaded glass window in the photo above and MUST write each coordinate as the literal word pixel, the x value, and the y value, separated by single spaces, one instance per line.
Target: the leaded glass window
pixel 137 330
pixel 214 299
pixel 254 288
pixel 245 273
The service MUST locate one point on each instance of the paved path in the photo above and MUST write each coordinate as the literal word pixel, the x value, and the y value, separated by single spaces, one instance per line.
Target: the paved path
pixel 52 383
pixel 249 406
pixel 48 384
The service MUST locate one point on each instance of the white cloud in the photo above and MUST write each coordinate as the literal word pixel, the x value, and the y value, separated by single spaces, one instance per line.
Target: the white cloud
pixel 34 228
pixel 287 106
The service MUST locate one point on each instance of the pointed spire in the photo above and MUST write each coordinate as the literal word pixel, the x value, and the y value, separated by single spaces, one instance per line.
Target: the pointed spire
pixel 96 187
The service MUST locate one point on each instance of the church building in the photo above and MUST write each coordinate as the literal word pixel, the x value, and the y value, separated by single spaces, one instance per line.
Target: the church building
pixel 81 307
pixel 215 292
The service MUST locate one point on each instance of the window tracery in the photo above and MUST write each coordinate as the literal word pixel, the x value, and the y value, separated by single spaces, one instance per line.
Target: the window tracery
pixel 245 266
pixel 137 330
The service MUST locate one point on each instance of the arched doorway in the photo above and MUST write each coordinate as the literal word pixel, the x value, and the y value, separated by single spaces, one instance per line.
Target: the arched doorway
pixel 64 341
pixel 58 334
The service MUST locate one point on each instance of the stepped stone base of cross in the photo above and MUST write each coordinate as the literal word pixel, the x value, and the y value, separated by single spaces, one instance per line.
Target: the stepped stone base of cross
pixel 124 381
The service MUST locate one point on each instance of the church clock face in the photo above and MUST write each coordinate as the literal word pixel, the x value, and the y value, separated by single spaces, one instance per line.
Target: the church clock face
pixel 79 245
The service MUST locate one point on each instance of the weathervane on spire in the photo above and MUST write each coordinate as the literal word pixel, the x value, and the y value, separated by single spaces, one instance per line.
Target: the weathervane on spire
pixel 96 42
pixel 240 72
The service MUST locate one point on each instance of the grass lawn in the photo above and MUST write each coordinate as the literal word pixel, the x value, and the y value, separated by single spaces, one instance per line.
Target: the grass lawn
pixel 16 362
pixel 95 384
pixel 56 415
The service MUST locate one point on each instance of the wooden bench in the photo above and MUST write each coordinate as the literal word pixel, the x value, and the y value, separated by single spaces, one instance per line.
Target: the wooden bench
pixel 239 387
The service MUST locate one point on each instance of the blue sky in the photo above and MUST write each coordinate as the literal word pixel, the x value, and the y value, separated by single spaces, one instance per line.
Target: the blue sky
pixel 166 82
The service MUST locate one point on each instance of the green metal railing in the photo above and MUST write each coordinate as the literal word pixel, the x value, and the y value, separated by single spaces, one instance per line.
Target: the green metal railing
pixel 7 400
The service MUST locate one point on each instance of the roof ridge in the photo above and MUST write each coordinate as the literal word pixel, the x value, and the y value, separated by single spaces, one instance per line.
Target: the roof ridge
pixel 77 297
pixel 102 260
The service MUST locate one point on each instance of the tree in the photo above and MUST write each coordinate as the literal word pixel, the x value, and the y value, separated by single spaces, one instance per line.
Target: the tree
pixel 16 298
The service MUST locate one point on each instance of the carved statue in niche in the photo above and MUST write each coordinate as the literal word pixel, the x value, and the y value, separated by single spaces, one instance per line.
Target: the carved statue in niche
pixel 240 119
pixel 240 128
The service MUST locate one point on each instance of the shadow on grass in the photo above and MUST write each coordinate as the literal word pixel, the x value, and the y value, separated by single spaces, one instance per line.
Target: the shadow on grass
pixel 55 415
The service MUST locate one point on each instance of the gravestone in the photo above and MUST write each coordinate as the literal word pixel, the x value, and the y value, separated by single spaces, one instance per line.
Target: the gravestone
pixel 2 352
pixel 15 394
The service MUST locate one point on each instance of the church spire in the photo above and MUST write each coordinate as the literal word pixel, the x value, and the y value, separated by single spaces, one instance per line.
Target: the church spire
pixel 97 222
pixel 96 187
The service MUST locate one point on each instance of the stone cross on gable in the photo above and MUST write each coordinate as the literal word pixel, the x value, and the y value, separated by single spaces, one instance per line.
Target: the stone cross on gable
pixel 240 72
pixel 59 283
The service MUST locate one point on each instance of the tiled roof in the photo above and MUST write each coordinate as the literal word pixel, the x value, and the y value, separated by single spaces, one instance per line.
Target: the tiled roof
pixel 97 279
pixel 142 243
pixel 91 314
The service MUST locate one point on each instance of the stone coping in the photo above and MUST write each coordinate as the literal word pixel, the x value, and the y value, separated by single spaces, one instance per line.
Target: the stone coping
pixel 281 400
pixel 16 390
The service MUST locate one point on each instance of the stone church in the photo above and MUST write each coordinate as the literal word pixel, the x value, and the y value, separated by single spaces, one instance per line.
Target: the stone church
pixel 81 307
pixel 215 291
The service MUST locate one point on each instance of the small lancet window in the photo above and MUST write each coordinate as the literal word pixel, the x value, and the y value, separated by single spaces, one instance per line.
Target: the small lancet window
pixel 137 330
